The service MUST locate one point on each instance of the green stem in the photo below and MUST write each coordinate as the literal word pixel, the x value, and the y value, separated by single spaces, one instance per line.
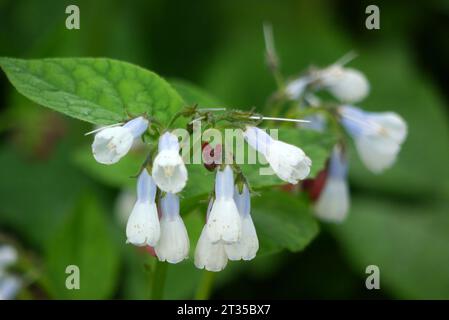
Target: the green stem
pixel 205 287
pixel 158 283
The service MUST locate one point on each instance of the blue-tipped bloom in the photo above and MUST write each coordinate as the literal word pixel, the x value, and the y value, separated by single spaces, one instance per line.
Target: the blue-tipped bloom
pixel 332 204
pixel 224 222
pixel 378 136
pixel 143 224
pixel 169 171
pixel 113 143
pixel 173 245
pixel 246 248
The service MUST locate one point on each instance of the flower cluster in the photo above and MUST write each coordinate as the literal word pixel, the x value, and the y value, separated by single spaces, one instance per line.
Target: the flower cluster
pixel 378 136
pixel 155 221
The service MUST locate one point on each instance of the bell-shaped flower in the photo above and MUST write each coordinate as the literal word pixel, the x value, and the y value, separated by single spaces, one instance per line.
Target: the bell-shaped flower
pixel 208 255
pixel 248 244
pixel 332 204
pixel 345 84
pixel 143 226
pixel 378 136
pixel 173 245
pixel 224 222
pixel 289 162
pixel 113 143
pixel 169 171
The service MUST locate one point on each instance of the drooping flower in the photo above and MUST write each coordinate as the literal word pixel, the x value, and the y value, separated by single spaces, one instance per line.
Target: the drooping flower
pixel 289 162
pixel 208 255
pixel 246 248
pixel 143 224
pixel 169 171
pixel 346 84
pixel 224 222
pixel 378 136
pixel 173 245
pixel 113 143
pixel 332 204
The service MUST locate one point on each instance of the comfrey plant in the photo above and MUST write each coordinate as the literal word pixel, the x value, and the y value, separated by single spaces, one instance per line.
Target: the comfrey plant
pixel 134 108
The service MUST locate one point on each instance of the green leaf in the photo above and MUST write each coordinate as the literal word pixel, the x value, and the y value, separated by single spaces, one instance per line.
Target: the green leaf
pixel 283 221
pixel 193 94
pixel 406 240
pixel 97 90
pixel 87 241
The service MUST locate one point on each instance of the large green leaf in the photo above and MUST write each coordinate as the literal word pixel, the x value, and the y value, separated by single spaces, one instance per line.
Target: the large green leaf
pixel 193 94
pixel 97 90
pixel 87 241
pixel 408 241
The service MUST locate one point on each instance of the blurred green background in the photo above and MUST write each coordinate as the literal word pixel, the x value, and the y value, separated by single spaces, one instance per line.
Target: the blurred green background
pixel 55 211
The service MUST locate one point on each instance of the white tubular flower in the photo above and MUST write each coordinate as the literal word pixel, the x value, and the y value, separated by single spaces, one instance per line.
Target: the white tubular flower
pixel 169 171
pixel 111 144
pixel 224 222
pixel 208 255
pixel 333 202
pixel 378 136
pixel 143 224
pixel 173 245
pixel 289 162
pixel 246 248
pixel 345 84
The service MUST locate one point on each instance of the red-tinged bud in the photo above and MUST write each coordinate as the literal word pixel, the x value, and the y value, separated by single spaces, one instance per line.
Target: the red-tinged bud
pixel 211 156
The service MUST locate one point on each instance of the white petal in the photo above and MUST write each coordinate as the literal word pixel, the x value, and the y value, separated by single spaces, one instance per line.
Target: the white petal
pixel 346 84
pixel 169 171
pixel 377 153
pixel 333 202
pixel 143 225
pixel 111 144
pixel 246 248
pixel 173 245
pixel 289 162
pixel 224 221
pixel 208 255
